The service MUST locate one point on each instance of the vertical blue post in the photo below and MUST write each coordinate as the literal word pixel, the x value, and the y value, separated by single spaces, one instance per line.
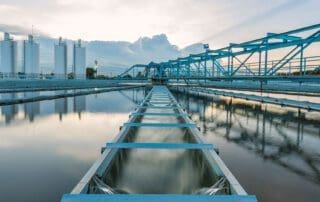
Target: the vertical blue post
pixel 189 66
pixel 259 67
pixel 178 70
pixel 231 67
pixel 305 65
pixel 266 58
pixel 301 60
pixel 229 72
pixel 133 72
pixel 212 67
pixel 289 68
pixel 205 68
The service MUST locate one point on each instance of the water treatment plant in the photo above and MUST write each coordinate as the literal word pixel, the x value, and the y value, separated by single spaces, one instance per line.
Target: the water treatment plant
pixel 230 123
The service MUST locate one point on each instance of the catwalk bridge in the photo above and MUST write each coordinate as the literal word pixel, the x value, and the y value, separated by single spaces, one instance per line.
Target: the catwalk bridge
pixel 216 182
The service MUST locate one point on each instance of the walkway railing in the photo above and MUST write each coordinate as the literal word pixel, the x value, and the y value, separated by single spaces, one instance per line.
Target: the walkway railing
pixel 247 96
pixel 158 99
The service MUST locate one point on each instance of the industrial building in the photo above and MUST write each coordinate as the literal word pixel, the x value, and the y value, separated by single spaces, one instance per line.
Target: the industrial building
pixel 31 58
pixel 79 60
pixel 8 64
pixel 60 59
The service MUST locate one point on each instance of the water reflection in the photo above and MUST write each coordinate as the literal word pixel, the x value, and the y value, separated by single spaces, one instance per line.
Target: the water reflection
pixel 156 171
pixel 181 172
pixel 31 109
pixel 79 104
pixel 45 149
pixel 61 105
pixel 132 96
pixel 287 137
pixel 10 111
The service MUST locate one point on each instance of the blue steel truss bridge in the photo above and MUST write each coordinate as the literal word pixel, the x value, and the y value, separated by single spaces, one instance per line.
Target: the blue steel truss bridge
pixel 291 55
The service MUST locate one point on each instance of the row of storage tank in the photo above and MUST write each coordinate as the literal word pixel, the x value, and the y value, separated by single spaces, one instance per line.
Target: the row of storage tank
pixel 31 69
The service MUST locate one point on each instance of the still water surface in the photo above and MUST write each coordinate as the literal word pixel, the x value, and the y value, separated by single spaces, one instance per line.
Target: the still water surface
pixel 46 147
pixel 274 152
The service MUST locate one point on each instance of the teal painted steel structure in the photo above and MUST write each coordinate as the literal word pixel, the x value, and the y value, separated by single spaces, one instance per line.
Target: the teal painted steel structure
pixel 157 198
pixel 208 64
pixel 93 180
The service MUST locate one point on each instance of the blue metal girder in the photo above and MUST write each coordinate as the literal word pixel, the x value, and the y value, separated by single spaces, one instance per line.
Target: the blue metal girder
pixel 285 37
pixel 154 145
pixel 272 46
pixel 131 68
pixel 220 52
pixel 159 107
pixel 303 29
pixel 161 98
pixel 161 125
pixel 158 102
pixel 246 46
pixel 277 45
pixel 156 198
pixel 159 114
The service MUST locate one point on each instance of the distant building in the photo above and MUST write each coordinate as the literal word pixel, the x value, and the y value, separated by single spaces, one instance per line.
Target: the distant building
pixel 60 59
pixel 8 64
pixel 79 60
pixel 31 57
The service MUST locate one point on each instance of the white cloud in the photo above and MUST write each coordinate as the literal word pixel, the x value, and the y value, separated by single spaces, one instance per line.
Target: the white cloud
pixel 8 8
pixel 184 21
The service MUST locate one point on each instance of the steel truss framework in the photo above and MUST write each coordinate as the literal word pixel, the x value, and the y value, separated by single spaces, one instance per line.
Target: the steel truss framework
pixel 209 63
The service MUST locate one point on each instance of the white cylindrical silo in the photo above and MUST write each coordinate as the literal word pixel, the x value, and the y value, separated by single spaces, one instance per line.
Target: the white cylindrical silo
pixel 79 60
pixel 60 59
pixel 31 58
pixel 8 64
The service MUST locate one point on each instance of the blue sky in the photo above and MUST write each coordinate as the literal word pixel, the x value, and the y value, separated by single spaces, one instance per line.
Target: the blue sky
pixel 185 22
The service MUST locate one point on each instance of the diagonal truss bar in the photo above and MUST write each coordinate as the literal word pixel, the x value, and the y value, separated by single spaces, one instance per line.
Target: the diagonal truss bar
pixel 309 40
pixel 242 64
